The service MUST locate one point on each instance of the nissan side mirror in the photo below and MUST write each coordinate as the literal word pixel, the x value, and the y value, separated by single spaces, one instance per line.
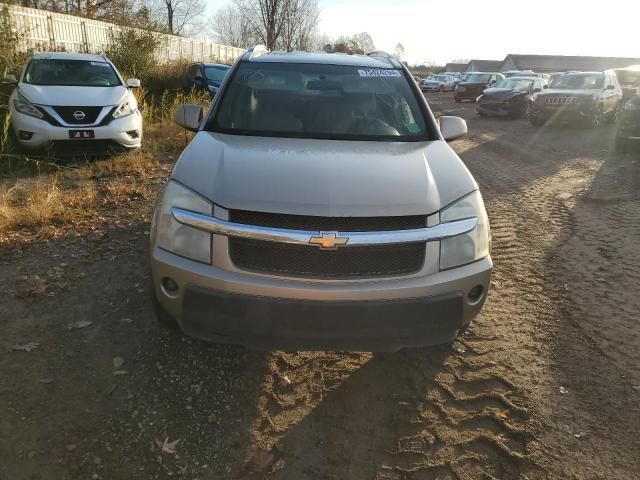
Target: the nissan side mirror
pixel 133 83
pixel 546 86
pixel 11 79
pixel 537 89
pixel 611 87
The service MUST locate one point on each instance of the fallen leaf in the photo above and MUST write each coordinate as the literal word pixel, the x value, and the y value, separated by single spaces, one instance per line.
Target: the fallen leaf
pixel 563 390
pixel 167 446
pixel 27 347
pixel 279 465
pixel 503 415
pixel 126 320
pixel 79 324
pixel 118 362
pixel 119 373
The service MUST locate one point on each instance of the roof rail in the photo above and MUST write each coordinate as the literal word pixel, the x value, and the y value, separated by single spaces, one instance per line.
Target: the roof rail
pixel 379 53
pixel 387 56
pixel 256 51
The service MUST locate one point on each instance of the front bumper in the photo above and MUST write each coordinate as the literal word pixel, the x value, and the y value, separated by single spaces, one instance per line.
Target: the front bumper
pixel 560 114
pixel 261 311
pixel 499 109
pixel 467 93
pixel 44 134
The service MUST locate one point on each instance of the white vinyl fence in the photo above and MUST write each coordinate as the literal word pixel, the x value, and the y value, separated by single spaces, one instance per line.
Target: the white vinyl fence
pixel 46 30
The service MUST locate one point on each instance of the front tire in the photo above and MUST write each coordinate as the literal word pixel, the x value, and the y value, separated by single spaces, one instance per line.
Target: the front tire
pixel 621 144
pixel 596 119
pixel 536 121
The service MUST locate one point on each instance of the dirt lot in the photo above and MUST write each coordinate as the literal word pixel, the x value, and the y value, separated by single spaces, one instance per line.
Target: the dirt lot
pixel 545 385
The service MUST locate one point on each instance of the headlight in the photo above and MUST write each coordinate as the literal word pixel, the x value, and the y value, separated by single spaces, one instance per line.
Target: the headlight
pixel 176 237
pixel 470 246
pixel 125 108
pixel 23 105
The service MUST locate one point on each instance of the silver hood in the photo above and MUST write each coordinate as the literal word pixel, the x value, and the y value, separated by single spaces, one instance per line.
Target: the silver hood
pixel 73 96
pixel 323 177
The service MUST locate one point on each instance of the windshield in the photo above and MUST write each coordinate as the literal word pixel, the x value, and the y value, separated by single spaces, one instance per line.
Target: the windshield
pixel 320 101
pixel 442 78
pixel 478 78
pixel 577 82
pixel 515 84
pixel 216 73
pixel 76 73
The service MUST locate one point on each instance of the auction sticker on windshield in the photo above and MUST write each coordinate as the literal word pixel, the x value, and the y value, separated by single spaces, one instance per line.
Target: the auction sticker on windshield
pixel 379 72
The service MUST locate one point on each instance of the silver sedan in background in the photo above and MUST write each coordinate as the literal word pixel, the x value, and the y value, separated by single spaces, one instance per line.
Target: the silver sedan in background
pixel 438 83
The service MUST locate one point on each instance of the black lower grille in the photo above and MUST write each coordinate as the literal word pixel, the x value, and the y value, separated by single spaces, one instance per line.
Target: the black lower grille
pixel 78 115
pixel 338 224
pixel 308 261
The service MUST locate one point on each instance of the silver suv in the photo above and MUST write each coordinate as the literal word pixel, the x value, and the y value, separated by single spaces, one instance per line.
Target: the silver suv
pixel 319 206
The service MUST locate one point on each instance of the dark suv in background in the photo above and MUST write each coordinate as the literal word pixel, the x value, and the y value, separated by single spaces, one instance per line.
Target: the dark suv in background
pixel 584 97
pixel 474 84
pixel 206 76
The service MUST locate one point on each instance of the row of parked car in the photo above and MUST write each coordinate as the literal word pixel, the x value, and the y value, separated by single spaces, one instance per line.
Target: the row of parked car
pixel 587 98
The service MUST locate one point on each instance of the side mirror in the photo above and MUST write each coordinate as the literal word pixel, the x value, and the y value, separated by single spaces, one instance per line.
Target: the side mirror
pixel 198 78
pixel 611 87
pixel 537 89
pixel 10 79
pixel 189 116
pixel 546 86
pixel 453 128
pixel 133 83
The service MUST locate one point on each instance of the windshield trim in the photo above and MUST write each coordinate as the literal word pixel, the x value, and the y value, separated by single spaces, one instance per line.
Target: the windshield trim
pixel 431 131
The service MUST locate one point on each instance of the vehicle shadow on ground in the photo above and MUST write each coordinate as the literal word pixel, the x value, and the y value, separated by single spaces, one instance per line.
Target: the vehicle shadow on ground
pixel 597 343
pixel 352 425
pixel 106 391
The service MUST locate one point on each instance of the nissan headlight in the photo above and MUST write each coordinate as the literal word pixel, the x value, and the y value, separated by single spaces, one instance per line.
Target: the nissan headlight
pixel 467 247
pixel 125 108
pixel 175 237
pixel 24 106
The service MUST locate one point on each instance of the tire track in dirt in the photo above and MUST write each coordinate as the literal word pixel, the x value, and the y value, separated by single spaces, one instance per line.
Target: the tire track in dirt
pixel 480 409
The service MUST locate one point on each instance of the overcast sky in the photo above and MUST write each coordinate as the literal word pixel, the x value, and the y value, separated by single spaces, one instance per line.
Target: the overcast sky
pixel 447 29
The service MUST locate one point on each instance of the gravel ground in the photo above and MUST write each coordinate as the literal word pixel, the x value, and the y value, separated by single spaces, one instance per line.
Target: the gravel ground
pixel 545 385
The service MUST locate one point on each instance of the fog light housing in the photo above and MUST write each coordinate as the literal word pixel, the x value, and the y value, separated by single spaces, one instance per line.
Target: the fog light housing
pixel 24 135
pixel 170 285
pixel 475 294
pixel 133 133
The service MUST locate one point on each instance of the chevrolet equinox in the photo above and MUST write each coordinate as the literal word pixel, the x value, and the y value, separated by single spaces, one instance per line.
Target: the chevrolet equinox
pixel 318 206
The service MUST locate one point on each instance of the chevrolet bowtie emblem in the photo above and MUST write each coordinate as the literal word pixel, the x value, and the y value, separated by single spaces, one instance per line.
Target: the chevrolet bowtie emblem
pixel 329 241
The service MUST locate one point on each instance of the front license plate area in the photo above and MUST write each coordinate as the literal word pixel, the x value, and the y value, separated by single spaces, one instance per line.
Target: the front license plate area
pixel 80 134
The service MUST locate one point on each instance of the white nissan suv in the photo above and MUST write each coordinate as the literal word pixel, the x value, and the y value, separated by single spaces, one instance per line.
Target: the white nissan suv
pixel 76 104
